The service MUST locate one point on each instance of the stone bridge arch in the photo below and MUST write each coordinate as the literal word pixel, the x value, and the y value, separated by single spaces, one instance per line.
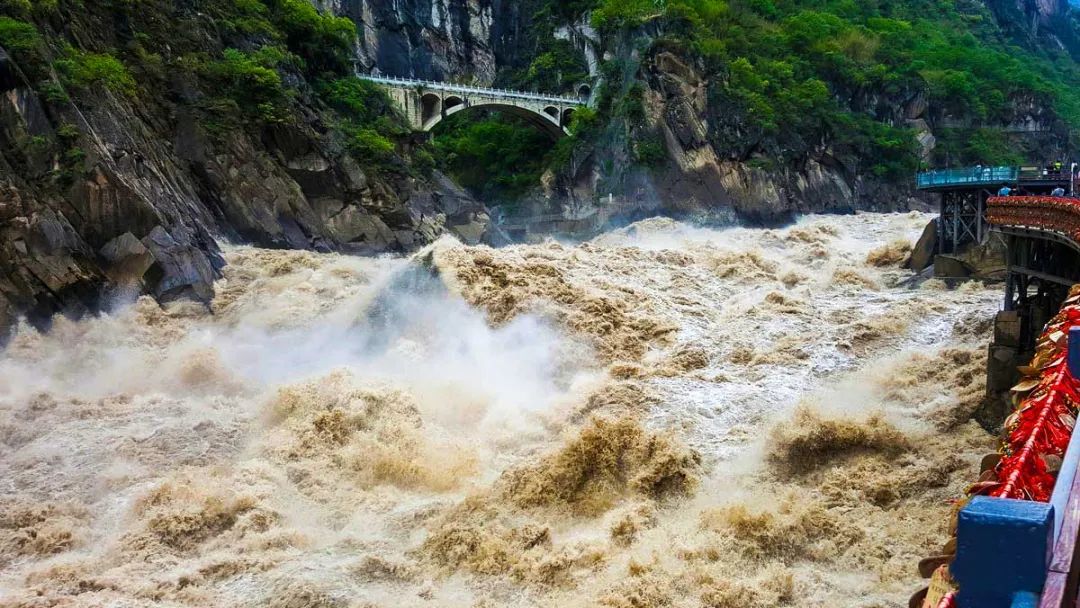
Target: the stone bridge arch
pixel 548 123
pixel 426 104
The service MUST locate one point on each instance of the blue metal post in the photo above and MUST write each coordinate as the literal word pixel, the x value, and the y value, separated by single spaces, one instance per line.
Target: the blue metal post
pixel 1074 352
pixel 1003 549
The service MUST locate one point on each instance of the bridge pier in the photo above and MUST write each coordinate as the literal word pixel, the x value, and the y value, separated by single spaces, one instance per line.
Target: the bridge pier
pixel 1041 267
pixel 962 219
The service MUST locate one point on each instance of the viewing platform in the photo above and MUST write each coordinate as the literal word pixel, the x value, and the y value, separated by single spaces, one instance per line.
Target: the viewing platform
pixel 975 178
pixel 964 193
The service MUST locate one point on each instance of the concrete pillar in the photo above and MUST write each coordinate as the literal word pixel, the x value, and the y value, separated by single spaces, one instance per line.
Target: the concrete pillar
pixel 1004 355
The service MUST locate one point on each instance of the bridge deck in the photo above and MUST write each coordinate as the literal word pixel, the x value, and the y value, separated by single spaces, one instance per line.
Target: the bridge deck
pixel 1056 215
pixel 456 88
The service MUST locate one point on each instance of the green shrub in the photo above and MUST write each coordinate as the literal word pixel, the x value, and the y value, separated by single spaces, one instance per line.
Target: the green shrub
pixel 615 14
pixel 650 152
pixel 324 42
pixel 46 7
pixel 633 103
pixel 423 161
pixel 250 78
pixel 82 70
pixel 497 157
pixel 16 7
pixel 68 133
pixel 19 37
pixel 359 100
pixel 53 92
pixel 75 156
pixel 247 83
pixel 247 17
pixel 368 146
pixel 557 67
pixel 25 44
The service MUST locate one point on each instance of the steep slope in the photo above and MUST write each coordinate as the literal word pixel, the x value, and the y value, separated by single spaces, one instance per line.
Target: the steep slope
pixel 135 136
pixel 762 109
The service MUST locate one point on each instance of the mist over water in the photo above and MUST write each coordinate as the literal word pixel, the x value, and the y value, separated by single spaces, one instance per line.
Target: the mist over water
pixel 663 416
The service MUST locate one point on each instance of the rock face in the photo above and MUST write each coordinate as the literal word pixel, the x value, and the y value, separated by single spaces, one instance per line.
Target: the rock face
pixel 110 191
pixel 426 39
pixel 703 178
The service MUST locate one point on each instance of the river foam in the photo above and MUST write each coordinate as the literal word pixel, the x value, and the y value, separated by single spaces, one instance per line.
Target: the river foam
pixel 663 416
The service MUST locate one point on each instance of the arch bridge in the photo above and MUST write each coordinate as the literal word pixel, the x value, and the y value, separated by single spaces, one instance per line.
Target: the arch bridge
pixel 426 103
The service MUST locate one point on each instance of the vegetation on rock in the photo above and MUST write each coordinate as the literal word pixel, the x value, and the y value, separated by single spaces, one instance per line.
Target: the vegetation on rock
pixel 793 79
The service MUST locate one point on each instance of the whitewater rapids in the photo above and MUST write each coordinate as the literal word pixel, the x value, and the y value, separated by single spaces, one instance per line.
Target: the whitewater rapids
pixel 662 416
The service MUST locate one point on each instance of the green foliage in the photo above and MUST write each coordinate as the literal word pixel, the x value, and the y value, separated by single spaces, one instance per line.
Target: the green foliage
pixel 250 81
pixel 20 8
pixel 67 133
pixel 424 161
pixel 557 68
pixel 53 92
pixel 46 7
pixel 82 70
pixel 324 42
pixel 368 145
pixel 247 17
pixel 368 120
pixel 19 37
pixel 650 151
pixel 633 103
pixel 360 100
pixel 795 72
pixel 976 146
pixel 25 44
pixel 498 158
pixel 615 14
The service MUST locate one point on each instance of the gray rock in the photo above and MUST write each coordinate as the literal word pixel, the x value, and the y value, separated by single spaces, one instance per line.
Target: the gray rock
pixel 179 270
pixel 922 255
pixel 128 259
pixel 950 267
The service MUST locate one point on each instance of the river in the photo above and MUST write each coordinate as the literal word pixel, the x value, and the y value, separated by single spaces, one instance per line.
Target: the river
pixel 662 416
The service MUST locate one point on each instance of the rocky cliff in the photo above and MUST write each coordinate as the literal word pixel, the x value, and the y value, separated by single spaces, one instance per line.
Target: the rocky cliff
pixel 715 163
pixel 103 190
pixel 135 139
pixel 704 158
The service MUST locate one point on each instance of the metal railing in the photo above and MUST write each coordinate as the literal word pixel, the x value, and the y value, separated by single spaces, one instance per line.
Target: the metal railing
pixel 976 176
pixel 456 88
pixel 1055 214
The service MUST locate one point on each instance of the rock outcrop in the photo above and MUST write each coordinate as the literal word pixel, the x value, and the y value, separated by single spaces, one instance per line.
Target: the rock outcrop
pixel 427 39
pixel 108 191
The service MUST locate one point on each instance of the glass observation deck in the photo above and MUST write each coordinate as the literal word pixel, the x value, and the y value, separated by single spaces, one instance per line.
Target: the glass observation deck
pixel 968 176
pixel 990 177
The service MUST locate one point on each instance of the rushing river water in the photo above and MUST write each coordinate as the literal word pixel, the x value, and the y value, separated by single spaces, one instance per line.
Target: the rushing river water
pixel 663 416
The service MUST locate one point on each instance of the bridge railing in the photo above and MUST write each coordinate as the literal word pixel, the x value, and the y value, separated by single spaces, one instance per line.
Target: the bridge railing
pixel 1056 214
pixel 1017 537
pixel 968 176
pixel 456 88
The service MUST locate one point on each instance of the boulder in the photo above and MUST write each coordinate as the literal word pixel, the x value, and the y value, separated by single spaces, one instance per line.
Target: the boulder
pixel 179 271
pixel 950 267
pixel 923 253
pixel 127 258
